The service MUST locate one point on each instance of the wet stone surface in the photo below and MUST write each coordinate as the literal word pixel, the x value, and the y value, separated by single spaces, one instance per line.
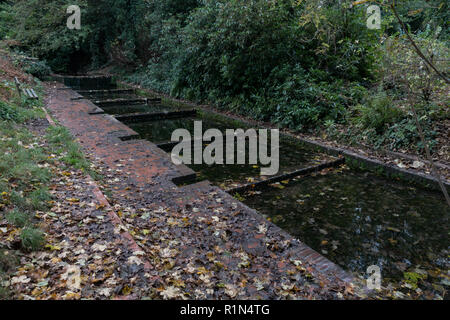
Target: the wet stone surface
pixel 358 219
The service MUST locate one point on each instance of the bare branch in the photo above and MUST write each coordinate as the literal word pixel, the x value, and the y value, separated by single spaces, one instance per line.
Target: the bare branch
pixel 419 52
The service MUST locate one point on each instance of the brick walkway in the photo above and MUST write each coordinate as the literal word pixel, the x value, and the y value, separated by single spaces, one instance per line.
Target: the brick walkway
pixel 234 251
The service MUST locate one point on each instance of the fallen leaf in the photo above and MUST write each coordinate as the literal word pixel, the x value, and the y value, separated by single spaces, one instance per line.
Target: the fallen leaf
pixel 170 293
pixel 72 277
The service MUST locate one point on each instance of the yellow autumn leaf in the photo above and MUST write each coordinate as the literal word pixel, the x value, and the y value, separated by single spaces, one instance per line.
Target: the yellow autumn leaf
pixel 202 270
pixel 126 290
pixel 52 248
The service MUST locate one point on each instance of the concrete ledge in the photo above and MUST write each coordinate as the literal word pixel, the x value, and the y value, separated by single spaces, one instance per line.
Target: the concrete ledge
pixel 152 116
pixel 119 102
pixel 289 175
pixel 85 81
pixel 106 91
pixel 374 165
pixel 394 172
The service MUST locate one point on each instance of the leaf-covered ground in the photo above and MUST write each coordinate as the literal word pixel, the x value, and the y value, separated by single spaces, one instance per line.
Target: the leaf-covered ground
pixel 87 254
pixel 141 245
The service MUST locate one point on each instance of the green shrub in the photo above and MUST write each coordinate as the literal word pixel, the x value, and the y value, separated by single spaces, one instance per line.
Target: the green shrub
pixel 379 112
pixel 38 69
pixel 404 134
pixel 58 136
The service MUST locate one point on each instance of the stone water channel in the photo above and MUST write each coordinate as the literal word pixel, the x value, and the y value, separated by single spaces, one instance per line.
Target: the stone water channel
pixel 354 217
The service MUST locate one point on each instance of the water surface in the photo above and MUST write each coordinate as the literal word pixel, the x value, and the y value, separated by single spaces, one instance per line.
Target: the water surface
pixel 359 219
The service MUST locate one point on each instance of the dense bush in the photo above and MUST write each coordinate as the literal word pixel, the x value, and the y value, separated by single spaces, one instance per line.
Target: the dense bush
pixel 40 26
pixel 402 69
pixel 257 57
pixel 298 63
pixel 39 69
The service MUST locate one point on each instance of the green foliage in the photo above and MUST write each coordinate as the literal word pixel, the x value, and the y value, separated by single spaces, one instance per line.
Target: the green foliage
pixel 378 114
pixel 381 122
pixel 8 261
pixel 404 133
pixel 40 26
pixel 7 112
pixel 256 59
pixel 299 64
pixel 39 198
pixel 61 142
pixel 18 109
pixel 404 73
pixel 32 239
pixel 419 15
pixel 18 218
pixel 413 278
pixel 58 136
pixel 39 69
pixel 7 21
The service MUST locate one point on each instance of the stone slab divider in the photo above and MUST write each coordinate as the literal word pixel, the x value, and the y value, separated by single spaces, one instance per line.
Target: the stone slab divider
pixel 287 175
pixel 153 116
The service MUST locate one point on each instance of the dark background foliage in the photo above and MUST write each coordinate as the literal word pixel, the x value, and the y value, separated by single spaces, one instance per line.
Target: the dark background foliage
pixel 298 63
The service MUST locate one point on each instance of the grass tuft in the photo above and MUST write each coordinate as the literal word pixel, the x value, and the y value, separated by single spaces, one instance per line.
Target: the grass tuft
pixel 32 239
pixel 18 218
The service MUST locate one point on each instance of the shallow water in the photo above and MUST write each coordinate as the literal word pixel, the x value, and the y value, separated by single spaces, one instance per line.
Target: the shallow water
pixel 359 219
pixel 160 131
pixel 292 157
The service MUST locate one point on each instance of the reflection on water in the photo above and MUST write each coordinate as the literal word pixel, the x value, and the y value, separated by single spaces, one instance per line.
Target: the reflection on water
pixel 161 131
pixel 359 219
pixel 292 156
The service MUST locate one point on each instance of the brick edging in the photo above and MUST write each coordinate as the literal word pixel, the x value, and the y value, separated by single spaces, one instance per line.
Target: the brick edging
pixel 114 217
